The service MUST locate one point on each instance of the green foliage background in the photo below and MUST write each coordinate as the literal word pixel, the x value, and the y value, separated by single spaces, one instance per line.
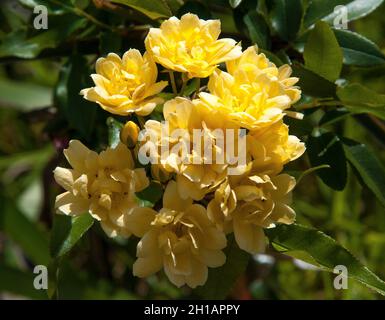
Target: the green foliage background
pixel 342 78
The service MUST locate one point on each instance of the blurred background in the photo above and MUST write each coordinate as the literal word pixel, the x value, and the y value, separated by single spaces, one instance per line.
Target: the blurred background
pixel 41 74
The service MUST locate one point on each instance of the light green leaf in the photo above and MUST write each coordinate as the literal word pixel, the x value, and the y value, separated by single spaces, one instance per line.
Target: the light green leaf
pixel 235 3
pixel 258 29
pixel 114 128
pixel 369 167
pixel 67 231
pixel 358 50
pixel 322 53
pixel 221 280
pixel 150 8
pixel 359 99
pixel 323 251
pixel 324 9
pixel 286 16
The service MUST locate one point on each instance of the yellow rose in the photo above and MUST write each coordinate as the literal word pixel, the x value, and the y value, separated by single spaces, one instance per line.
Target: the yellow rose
pixel 126 85
pixel 102 184
pixel 129 134
pixel 190 45
pixel 180 239
pixel 254 92
pixel 197 173
pixel 248 204
pixel 272 147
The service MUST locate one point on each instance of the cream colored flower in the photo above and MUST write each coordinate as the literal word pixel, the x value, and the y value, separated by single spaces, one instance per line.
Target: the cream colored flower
pixel 190 45
pixel 180 239
pixel 261 202
pixel 254 92
pixel 126 85
pixel 102 184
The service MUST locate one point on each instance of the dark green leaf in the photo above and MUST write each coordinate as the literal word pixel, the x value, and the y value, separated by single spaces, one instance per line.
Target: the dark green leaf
pixel 312 84
pixel 110 42
pixel 324 9
pixel 359 99
pixel 197 8
pixel 24 232
pixel 150 8
pixel 322 251
pixel 369 167
pixel 333 116
pixel 79 112
pixel 322 53
pixel 286 16
pixel 18 44
pixel 151 195
pixel 114 128
pixel 67 231
pixel 221 280
pixel 327 149
pixel 53 7
pixel 19 283
pixel 358 50
pixel 258 29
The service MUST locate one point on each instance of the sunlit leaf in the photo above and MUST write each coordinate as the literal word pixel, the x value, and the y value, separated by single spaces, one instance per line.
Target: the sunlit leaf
pixel 325 251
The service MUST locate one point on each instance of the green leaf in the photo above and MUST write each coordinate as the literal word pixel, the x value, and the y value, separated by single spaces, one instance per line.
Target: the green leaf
pixel 324 9
pixel 323 251
pixel 235 3
pixel 368 166
pixel 322 53
pixel 53 7
pixel 258 29
pixel 197 8
pixel 286 16
pixel 150 8
pixel 358 50
pixel 151 195
pixel 359 99
pixel 114 128
pixel 327 149
pixel 312 84
pixel 20 283
pixel 110 42
pixel 18 44
pixel 79 112
pixel 221 280
pixel 24 232
pixel 14 93
pixel 67 231
pixel 333 116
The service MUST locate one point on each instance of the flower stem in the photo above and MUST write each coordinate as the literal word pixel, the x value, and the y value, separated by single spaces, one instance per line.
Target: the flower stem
pixel 173 83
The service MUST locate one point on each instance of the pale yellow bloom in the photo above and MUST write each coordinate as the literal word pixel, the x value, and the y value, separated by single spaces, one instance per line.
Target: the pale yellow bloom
pixel 272 147
pixel 102 184
pixel 180 239
pixel 190 45
pixel 195 175
pixel 261 202
pixel 254 92
pixel 126 85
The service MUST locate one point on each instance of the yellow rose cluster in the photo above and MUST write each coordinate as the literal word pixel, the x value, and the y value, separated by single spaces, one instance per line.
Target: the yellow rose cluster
pixel 203 201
